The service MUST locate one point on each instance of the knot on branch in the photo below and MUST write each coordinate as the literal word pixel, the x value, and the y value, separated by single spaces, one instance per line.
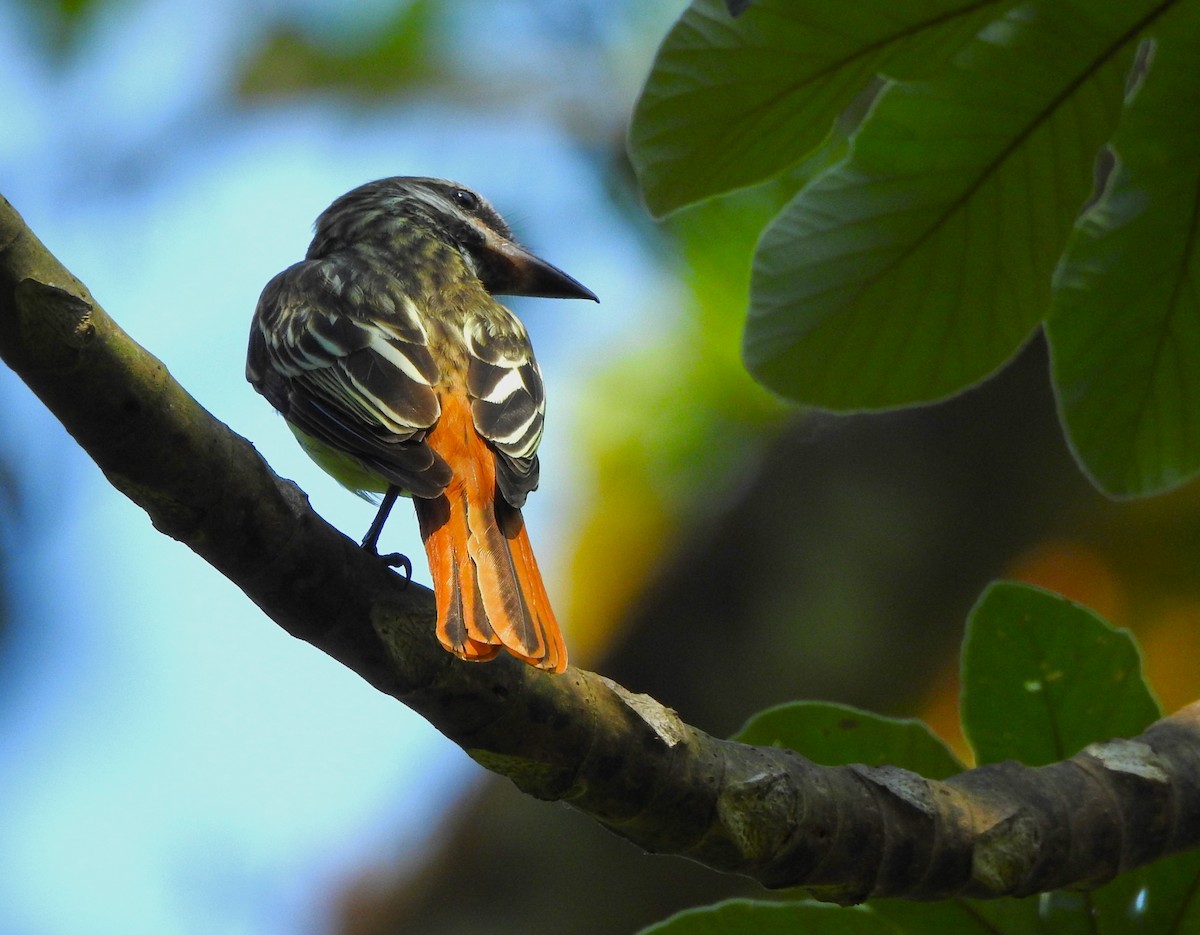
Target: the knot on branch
pixel 55 324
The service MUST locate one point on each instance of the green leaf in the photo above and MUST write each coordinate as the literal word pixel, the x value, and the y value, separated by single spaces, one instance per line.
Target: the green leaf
pixel 920 264
pixel 1125 328
pixel 1162 899
pixel 754 917
pixel 1043 677
pixel 962 916
pixel 834 734
pixel 730 102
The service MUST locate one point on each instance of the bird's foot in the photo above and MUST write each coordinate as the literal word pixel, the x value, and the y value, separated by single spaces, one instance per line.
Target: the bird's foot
pixel 396 560
pixel 392 560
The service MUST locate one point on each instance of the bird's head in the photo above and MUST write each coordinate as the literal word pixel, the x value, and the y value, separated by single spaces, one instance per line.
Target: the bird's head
pixel 404 209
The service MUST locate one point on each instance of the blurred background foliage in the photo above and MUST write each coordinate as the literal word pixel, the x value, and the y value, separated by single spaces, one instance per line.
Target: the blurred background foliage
pixel 726 551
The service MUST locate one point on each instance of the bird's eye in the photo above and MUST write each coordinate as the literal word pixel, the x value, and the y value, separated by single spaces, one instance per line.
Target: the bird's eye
pixel 465 199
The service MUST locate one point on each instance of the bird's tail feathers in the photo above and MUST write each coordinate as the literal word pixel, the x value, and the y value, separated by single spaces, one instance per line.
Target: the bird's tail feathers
pixel 490 593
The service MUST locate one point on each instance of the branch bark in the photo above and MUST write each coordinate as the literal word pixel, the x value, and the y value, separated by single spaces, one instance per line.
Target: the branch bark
pixel 846 833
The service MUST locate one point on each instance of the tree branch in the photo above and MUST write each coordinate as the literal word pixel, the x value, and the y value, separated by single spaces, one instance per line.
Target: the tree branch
pixel 847 833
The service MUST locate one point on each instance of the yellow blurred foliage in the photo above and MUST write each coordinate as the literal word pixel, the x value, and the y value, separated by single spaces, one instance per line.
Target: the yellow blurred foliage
pixel 615 554
pixel 687 415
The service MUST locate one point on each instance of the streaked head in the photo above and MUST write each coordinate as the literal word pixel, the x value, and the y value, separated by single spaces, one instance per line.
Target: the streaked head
pixel 388 209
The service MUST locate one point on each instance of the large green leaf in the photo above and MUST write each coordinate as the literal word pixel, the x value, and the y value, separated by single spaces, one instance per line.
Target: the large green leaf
pixel 835 734
pixel 730 102
pixel 1125 328
pixel 917 266
pixel 1043 677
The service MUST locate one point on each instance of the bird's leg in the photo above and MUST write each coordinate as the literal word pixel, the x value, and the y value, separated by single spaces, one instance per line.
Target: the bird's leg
pixel 370 542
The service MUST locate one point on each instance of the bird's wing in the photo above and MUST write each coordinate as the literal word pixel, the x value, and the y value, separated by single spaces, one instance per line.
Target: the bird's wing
pixel 508 399
pixel 340 350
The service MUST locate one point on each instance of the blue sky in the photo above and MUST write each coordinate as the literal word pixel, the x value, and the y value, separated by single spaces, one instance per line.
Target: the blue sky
pixel 170 761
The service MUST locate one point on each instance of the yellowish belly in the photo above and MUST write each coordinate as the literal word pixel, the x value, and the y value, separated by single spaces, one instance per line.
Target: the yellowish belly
pixel 347 471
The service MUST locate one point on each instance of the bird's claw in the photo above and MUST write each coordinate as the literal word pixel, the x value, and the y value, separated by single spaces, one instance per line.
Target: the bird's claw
pixel 396 560
pixel 391 560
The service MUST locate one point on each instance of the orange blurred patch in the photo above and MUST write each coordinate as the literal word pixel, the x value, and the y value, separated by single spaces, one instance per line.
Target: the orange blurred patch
pixel 1076 571
pixel 1171 650
pixel 940 710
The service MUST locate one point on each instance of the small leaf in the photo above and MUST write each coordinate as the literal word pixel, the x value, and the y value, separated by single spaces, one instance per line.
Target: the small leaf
pixel 834 735
pixel 919 265
pixel 1162 899
pixel 962 916
pixel 754 917
pixel 1043 677
pixel 1125 328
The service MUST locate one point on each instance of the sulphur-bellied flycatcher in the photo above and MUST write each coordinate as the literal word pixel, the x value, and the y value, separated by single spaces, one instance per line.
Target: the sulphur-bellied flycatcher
pixel 400 373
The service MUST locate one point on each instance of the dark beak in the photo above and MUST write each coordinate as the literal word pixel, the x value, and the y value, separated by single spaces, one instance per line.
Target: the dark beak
pixel 513 270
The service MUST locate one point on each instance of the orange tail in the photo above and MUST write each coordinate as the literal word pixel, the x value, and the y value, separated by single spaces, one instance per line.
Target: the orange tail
pixel 489 591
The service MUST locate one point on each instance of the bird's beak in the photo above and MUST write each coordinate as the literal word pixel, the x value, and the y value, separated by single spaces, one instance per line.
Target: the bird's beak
pixel 515 271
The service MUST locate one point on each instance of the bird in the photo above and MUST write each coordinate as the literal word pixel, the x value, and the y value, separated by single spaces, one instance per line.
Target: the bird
pixel 400 374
